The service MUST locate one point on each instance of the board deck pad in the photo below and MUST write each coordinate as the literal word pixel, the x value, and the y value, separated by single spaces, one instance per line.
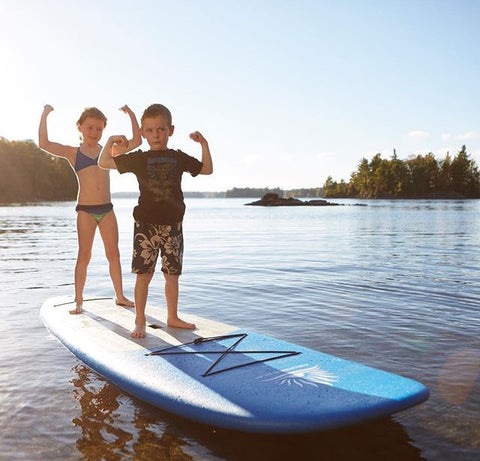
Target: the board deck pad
pixel 224 376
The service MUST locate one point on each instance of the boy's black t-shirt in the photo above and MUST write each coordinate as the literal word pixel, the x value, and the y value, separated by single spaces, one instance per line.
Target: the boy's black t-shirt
pixel 159 175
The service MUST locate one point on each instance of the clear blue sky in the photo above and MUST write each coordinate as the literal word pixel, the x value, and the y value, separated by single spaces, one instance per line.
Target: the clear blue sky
pixel 287 92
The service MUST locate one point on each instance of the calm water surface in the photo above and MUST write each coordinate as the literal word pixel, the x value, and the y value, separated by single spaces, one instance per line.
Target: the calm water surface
pixel 394 285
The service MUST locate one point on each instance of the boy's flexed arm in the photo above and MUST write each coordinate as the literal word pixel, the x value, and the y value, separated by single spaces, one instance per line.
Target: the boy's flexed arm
pixel 119 145
pixel 115 145
pixel 207 167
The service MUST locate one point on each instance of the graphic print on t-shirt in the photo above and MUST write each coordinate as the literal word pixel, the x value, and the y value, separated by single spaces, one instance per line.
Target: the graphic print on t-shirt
pixel 161 176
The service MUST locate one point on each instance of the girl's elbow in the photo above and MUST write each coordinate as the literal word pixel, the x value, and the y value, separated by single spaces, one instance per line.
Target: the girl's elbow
pixel 206 170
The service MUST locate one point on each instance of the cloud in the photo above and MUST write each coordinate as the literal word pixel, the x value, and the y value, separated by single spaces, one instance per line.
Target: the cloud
pixel 460 137
pixel 418 134
pixel 467 135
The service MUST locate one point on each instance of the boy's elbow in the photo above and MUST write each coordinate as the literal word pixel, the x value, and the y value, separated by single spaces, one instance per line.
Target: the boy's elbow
pixel 104 165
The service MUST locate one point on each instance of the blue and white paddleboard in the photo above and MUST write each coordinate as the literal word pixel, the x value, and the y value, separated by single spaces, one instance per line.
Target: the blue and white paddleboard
pixel 225 376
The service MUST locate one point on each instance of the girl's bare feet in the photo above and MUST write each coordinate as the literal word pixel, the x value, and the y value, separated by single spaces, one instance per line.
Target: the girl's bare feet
pixel 78 309
pixel 122 301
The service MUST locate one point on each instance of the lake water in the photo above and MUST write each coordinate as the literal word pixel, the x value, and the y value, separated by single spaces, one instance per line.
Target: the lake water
pixel 394 285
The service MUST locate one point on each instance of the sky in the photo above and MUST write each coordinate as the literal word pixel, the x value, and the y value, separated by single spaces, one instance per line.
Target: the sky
pixel 287 92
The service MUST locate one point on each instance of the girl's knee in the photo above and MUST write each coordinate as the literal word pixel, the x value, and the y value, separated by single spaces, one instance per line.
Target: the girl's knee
pixel 84 256
pixel 112 254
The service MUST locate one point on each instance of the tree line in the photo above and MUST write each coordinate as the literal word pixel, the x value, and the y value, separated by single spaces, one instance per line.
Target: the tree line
pixel 28 174
pixel 254 192
pixel 416 177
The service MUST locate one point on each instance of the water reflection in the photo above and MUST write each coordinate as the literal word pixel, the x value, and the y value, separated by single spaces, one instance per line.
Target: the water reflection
pixel 102 418
pixel 114 426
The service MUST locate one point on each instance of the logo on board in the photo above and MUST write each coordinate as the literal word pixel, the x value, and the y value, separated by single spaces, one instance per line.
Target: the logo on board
pixel 301 376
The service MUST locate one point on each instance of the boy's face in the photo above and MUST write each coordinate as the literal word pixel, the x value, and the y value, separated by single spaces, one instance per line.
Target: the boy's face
pixel 91 130
pixel 156 131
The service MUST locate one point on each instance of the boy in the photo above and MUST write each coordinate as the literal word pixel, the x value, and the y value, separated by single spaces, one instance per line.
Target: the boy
pixel 159 213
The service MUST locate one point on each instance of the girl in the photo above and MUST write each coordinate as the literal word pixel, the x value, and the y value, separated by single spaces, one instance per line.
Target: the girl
pixel 94 207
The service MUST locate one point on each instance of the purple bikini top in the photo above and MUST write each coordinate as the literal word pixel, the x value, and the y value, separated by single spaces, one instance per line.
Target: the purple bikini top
pixel 83 161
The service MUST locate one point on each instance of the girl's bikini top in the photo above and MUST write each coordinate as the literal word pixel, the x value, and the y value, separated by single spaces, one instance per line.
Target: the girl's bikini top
pixel 83 161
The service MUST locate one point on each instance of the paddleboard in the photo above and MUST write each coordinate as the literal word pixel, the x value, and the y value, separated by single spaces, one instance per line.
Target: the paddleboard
pixel 227 376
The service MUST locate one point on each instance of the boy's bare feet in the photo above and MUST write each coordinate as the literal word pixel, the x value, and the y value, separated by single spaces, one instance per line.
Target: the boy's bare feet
pixel 124 302
pixel 140 327
pixel 179 323
pixel 139 332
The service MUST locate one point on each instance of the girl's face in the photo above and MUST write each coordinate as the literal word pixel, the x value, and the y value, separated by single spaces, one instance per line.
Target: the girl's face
pixel 91 130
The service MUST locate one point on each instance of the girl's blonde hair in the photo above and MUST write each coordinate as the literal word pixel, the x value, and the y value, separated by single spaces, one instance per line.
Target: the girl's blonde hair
pixel 92 112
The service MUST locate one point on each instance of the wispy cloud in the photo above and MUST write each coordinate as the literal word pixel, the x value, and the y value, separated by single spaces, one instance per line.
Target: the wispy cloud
pixel 467 135
pixel 418 134
pixel 461 136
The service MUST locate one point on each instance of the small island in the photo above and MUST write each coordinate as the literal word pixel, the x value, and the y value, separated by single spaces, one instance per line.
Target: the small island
pixel 272 199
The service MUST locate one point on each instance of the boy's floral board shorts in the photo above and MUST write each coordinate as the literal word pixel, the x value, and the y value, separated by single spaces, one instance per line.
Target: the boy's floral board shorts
pixel 150 240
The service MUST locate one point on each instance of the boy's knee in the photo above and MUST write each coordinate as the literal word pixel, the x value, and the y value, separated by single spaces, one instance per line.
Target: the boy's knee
pixel 173 278
pixel 144 279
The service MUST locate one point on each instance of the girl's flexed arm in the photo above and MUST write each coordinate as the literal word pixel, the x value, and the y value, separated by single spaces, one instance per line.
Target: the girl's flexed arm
pixel 137 133
pixel 45 144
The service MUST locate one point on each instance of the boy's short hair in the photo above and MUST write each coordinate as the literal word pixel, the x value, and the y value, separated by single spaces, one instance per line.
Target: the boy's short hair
pixel 92 112
pixel 156 110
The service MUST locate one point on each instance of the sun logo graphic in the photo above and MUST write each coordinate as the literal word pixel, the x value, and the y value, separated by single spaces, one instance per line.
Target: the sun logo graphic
pixel 301 376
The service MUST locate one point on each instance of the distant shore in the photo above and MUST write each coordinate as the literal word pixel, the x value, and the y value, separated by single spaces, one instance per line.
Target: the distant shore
pixel 197 194
pixel 193 194
pixel 224 194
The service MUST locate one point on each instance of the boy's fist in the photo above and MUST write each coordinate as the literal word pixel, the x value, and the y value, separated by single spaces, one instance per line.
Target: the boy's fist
pixel 197 137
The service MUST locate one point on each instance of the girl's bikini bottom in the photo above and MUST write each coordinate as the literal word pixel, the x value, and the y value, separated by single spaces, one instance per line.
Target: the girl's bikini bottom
pixel 98 212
